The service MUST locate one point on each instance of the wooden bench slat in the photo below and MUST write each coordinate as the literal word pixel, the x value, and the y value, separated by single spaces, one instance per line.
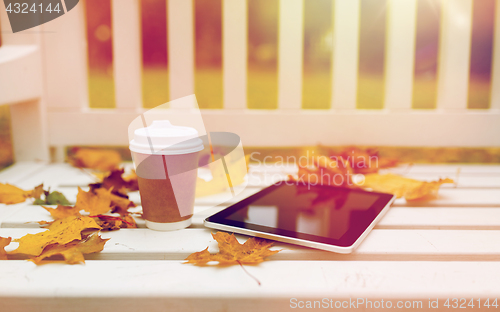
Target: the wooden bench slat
pixel 387 245
pixel 447 197
pixel 478 218
pixel 20 171
pixel 159 284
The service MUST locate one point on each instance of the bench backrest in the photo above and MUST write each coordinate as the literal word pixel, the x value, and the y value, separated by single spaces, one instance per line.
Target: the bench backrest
pixel 44 77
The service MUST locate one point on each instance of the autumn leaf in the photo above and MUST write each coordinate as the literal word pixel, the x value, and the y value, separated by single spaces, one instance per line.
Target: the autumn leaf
pixel 131 179
pixel 73 252
pixel 111 223
pixel 254 250
pixel 10 194
pixel 95 202
pixel 61 212
pixel 120 204
pixel 400 186
pixel 61 231
pixel 103 160
pixel 325 171
pixel 119 183
pixel 363 160
pixel 4 241
pixel 52 198
pixel 38 191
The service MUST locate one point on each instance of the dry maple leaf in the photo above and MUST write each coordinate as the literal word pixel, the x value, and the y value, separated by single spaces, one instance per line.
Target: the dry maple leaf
pixel 104 160
pixel 73 252
pixel 364 160
pixel 400 186
pixel 118 182
pixel 326 171
pixel 110 223
pixel 254 250
pixel 95 202
pixel 62 212
pixel 38 191
pixel 4 241
pixel 61 231
pixel 10 194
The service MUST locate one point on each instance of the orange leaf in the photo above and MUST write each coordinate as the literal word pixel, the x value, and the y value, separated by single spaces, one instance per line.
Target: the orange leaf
pixel 110 223
pixel 400 186
pixel 104 160
pixel 38 191
pixel 61 231
pixel 121 204
pixel 73 252
pixel 94 202
pixel 4 241
pixel 364 160
pixel 62 212
pixel 10 194
pixel 116 181
pixel 254 250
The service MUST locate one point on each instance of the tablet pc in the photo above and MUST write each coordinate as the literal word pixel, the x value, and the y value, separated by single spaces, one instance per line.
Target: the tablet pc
pixel 325 217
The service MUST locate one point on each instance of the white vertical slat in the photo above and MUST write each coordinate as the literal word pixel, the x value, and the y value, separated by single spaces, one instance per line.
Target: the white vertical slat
pixel 234 54
pixel 180 48
pixel 290 47
pixel 65 58
pixel 127 53
pixel 28 122
pixel 400 54
pixel 454 54
pixel 28 36
pixel 29 131
pixel 495 71
pixel 345 53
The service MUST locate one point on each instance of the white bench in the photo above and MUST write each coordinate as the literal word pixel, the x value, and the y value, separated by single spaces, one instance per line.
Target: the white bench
pixel 448 248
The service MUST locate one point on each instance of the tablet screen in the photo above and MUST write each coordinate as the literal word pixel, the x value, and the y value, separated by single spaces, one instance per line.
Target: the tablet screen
pixel 324 214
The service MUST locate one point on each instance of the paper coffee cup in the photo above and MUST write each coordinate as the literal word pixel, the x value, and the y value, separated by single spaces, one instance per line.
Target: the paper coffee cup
pixel 166 160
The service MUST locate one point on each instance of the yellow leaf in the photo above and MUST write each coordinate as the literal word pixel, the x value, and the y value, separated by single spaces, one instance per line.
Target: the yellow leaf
pixel 10 194
pixel 38 191
pixel 61 231
pixel 103 160
pixel 400 186
pixel 73 252
pixel 254 250
pixel 95 202
pixel 4 241
pixel 62 212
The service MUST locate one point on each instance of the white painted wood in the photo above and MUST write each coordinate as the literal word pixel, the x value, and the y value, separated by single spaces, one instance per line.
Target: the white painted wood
pixel 437 218
pixel 495 70
pixel 180 48
pixel 28 36
pixel 29 131
pixel 279 128
pixel 400 54
pixel 20 73
pixel 157 285
pixel 380 245
pixel 441 218
pixel 20 171
pixel 234 53
pixel 290 51
pixel 65 61
pixel 127 59
pixel 454 54
pixel 345 53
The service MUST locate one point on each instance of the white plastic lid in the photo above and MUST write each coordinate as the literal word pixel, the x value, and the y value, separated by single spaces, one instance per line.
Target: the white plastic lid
pixel 163 138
